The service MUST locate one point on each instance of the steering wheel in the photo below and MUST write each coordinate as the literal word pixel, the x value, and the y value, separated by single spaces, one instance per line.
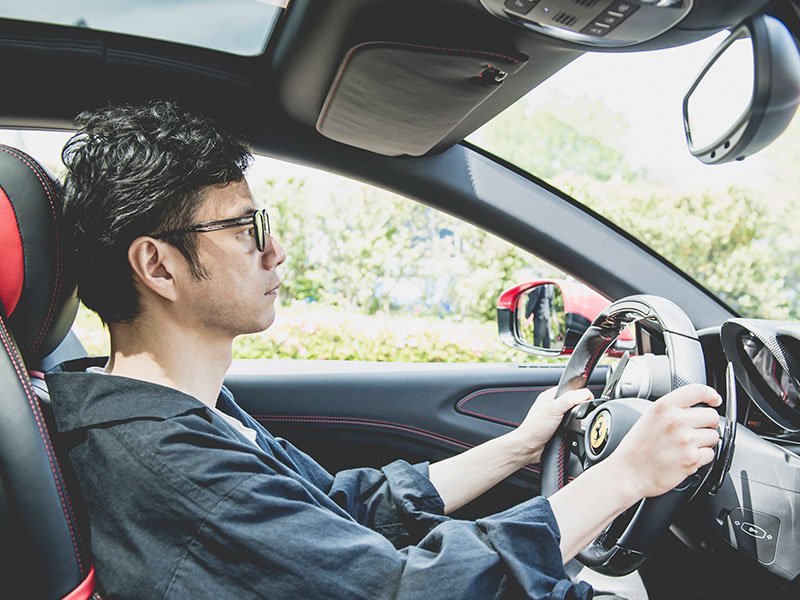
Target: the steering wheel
pixel 626 543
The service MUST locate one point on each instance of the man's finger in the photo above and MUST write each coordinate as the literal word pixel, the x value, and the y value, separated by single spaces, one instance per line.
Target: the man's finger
pixel 706 438
pixel 702 416
pixel 692 394
pixel 548 394
pixel 573 398
pixel 705 455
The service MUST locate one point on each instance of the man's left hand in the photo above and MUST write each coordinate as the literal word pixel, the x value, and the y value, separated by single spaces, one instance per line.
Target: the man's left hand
pixel 544 418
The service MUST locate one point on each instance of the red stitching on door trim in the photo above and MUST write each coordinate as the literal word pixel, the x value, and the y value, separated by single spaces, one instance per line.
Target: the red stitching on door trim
pixel 372 423
pixel 460 404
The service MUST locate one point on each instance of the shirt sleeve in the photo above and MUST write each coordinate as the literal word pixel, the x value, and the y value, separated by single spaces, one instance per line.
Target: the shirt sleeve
pixel 278 542
pixel 398 501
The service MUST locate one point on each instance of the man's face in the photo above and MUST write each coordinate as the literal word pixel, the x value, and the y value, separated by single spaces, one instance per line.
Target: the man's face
pixel 239 294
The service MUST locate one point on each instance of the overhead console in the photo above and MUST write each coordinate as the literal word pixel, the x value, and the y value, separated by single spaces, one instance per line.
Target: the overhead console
pixel 594 22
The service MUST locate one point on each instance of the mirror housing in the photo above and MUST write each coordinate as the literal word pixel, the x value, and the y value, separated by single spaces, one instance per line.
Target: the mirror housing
pixel 548 317
pixel 773 89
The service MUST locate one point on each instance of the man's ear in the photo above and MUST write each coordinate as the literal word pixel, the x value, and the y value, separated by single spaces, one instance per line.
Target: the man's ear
pixel 154 264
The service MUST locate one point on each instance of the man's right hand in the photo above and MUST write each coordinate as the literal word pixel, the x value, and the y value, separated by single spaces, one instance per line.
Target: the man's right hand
pixel 666 445
pixel 670 441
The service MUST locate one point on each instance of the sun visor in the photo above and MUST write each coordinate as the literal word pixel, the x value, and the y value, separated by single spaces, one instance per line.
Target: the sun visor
pixel 397 98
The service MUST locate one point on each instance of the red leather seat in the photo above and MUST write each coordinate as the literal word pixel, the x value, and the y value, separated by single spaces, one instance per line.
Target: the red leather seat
pixel 45 548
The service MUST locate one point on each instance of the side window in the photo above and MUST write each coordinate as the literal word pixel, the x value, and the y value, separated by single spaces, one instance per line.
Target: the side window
pixel 374 276
pixel 369 275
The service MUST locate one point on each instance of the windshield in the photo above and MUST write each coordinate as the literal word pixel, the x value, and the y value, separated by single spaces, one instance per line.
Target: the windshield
pixel 608 130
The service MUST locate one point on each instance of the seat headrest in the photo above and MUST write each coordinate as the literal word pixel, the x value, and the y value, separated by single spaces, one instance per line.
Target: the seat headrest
pixel 37 301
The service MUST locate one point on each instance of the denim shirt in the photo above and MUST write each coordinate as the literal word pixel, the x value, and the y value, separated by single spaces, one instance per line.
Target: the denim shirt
pixel 182 505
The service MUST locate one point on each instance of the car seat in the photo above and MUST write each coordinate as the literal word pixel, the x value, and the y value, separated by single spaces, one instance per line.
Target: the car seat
pixel 44 545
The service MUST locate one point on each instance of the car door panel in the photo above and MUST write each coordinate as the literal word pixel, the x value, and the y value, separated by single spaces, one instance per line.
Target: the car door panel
pixel 355 414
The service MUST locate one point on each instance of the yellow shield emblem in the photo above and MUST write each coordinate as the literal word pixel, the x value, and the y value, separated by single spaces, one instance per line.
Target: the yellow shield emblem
pixel 598 435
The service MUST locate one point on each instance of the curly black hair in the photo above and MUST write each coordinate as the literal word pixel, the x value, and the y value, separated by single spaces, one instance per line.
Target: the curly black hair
pixel 133 171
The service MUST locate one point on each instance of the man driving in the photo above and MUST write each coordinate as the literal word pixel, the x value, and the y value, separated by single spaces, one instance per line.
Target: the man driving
pixel 188 496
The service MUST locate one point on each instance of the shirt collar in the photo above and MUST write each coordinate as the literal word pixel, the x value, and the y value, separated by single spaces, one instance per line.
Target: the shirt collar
pixel 83 400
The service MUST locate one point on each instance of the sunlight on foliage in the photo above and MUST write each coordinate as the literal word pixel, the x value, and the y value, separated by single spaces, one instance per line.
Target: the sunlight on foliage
pixel 312 331
pixel 715 235
pixel 324 332
pixel 736 240
pixel 367 250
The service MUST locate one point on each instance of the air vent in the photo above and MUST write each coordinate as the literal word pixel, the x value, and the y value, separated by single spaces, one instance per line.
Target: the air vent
pixel 585 3
pixel 564 18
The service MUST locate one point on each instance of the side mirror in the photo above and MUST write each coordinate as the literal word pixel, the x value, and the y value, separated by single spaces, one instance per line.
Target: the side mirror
pixel 745 95
pixel 548 317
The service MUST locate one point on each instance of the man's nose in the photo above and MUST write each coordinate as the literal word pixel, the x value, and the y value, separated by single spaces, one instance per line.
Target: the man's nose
pixel 273 254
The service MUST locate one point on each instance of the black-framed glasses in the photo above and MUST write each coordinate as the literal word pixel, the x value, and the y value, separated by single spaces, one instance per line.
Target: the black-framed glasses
pixel 259 220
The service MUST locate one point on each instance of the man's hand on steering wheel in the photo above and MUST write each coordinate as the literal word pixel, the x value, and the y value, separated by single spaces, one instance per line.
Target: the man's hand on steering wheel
pixel 668 444
pixel 543 419
pixel 671 441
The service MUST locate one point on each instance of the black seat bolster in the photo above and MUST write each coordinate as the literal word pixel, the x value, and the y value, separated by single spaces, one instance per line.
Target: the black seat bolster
pixel 45 554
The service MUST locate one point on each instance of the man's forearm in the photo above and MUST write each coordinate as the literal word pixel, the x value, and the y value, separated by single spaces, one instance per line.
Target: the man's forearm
pixel 589 503
pixel 463 477
pixel 466 476
pixel 582 509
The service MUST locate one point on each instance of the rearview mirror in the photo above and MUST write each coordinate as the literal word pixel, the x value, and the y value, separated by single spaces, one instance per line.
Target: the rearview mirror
pixel 745 95
pixel 548 317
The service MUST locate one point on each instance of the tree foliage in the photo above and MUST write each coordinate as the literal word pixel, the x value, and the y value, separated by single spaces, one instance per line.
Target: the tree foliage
pixel 714 235
pixel 368 250
pixel 732 239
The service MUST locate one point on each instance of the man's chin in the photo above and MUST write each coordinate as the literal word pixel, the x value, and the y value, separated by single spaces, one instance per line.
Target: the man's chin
pixel 260 323
pixel 266 322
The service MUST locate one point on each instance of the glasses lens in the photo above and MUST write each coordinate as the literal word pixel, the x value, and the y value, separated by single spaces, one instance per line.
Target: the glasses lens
pixel 261 226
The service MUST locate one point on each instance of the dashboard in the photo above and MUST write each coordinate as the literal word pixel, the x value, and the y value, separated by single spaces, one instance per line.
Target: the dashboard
pixel 766 355
pixel 757 509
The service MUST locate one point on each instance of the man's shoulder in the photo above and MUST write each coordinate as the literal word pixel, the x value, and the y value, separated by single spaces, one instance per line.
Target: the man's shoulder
pixel 162 439
pixel 82 399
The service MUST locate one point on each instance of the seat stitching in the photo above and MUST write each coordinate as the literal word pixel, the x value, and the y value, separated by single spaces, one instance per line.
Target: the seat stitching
pixel 5 337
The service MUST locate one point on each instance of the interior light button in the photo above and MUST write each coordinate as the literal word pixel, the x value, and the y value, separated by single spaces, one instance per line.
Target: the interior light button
pixel 520 7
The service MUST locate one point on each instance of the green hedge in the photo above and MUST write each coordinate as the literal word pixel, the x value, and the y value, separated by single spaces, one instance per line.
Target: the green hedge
pixel 313 331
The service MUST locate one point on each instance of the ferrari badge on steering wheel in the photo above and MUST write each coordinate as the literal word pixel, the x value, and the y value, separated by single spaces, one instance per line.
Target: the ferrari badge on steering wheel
pixel 598 436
